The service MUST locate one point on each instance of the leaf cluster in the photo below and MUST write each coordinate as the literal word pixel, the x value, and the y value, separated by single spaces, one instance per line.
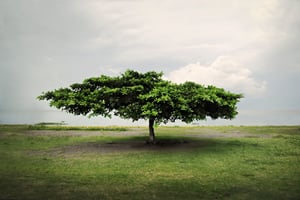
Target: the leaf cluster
pixel 134 95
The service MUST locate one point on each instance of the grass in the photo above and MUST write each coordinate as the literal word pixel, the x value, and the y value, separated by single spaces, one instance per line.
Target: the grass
pixel 56 127
pixel 38 167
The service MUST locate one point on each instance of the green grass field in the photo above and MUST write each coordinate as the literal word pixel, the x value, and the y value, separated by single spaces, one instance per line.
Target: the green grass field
pixel 115 163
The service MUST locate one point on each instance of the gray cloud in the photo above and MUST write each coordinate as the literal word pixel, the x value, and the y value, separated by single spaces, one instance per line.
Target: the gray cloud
pixel 50 44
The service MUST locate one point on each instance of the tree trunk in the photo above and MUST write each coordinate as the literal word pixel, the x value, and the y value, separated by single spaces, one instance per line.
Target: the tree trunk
pixel 151 131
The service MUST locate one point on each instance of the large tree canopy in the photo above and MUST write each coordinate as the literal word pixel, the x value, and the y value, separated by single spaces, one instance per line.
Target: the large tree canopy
pixel 134 95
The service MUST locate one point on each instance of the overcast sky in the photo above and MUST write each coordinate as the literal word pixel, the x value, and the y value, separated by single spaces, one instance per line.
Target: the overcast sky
pixel 250 47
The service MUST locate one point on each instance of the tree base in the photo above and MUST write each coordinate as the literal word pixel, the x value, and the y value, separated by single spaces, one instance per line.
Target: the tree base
pixel 151 142
pixel 166 142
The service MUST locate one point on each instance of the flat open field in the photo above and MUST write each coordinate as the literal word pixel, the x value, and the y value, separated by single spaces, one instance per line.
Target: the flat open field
pixel 55 162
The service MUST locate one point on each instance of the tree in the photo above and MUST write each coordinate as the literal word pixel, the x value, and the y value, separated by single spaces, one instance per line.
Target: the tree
pixel 134 95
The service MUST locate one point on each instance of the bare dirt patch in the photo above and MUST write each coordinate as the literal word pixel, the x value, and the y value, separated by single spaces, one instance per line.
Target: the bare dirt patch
pixel 130 132
pixel 229 135
pixel 138 144
pixel 129 146
pixel 212 133
pixel 141 131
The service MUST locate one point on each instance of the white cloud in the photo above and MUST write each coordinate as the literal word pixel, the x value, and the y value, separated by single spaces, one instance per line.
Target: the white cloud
pixel 224 72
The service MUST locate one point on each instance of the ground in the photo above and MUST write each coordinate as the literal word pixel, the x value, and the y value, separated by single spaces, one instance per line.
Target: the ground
pixel 174 144
pixel 258 162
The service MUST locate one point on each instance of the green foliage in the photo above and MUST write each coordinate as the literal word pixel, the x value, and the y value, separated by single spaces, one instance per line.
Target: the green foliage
pixel 51 123
pixel 135 96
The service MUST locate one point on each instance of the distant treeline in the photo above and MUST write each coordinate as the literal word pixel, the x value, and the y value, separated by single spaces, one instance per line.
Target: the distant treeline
pixel 62 127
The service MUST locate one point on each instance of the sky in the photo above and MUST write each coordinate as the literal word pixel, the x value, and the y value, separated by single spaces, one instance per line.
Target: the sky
pixel 250 47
